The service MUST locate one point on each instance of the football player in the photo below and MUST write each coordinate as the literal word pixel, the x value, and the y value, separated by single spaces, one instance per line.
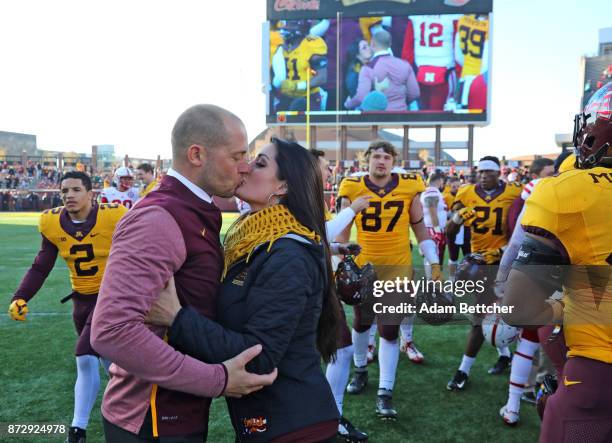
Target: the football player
pixel 125 193
pixel 305 58
pixel 471 57
pixel 146 174
pixel 429 46
pixel 338 370
pixel 567 222
pixel 81 233
pixel 484 208
pixel 461 240
pixel 383 234
pixel 529 343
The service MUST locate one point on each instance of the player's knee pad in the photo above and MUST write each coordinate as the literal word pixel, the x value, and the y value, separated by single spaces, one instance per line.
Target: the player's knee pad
pixel 389 332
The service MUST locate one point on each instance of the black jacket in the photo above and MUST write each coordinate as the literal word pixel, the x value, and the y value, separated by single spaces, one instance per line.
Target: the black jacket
pixel 274 300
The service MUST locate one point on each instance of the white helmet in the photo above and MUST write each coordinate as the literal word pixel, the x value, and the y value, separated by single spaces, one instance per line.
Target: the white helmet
pixel 123 172
pixel 497 332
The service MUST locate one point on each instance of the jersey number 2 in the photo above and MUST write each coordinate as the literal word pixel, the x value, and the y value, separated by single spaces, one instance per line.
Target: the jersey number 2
pixel 89 256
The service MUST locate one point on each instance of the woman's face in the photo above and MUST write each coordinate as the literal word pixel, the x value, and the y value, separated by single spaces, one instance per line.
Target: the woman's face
pixel 365 51
pixel 262 181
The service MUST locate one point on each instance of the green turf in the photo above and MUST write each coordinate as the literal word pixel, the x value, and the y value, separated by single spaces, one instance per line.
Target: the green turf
pixel 37 369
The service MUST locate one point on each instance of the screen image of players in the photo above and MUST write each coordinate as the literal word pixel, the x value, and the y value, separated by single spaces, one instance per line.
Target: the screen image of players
pixel 300 66
pixel 429 45
pixel 472 62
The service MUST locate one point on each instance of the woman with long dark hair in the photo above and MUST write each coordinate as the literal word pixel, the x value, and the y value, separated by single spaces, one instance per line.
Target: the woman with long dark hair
pixel 277 291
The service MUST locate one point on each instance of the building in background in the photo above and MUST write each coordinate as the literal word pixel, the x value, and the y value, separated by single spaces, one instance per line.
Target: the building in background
pixel 597 71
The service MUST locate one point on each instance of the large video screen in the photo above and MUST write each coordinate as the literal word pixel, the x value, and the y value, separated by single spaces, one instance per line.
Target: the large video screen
pixel 411 69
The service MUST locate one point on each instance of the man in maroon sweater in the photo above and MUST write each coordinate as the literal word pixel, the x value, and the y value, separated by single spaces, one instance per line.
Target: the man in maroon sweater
pixel 155 392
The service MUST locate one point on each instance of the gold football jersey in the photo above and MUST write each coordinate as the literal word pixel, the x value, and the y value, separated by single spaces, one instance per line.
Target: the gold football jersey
pixel 85 253
pixel 298 61
pixel 574 207
pixel 383 228
pixel 489 228
pixel 472 34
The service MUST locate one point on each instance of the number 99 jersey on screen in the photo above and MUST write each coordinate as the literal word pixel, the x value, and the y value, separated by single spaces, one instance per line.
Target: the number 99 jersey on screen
pixel 84 248
pixel 383 228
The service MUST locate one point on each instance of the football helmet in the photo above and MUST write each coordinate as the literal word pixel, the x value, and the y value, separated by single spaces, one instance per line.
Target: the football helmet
pixel 293 31
pixel 593 130
pixel 124 178
pixel 354 284
pixel 434 300
pixel 497 332
pixel 474 268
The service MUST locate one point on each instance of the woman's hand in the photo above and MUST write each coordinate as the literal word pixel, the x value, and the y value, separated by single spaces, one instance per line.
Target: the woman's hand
pixel 165 309
pixel 361 203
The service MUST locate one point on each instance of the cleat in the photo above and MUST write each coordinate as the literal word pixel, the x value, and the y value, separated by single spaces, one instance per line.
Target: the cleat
pixel 349 433
pixel 414 355
pixel 371 353
pixel 359 381
pixel 511 418
pixel 500 367
pixel 76 435
pixel 529 397
pixel 384 405
pixel 458 382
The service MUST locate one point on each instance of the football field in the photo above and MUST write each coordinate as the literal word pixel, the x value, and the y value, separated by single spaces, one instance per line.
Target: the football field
pixel 37 368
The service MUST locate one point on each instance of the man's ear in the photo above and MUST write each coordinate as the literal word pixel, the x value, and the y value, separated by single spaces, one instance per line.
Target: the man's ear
pixel 196 155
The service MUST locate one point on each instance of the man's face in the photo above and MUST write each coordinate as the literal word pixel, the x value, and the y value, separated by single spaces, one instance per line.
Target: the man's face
pixel 226 166
pixel 143 176
pixel 454 187
pixel 488 179
pixel 125 183
pixel 74 195
pixel 325 172
pixel 380 164
pixel 547 171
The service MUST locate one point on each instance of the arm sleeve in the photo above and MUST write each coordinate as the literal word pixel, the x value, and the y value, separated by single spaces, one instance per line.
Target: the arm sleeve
pixel 38 272
pixel 412 87
pixel 335 226
pixel 148 248
pixel 518 235
pixel 274 306
pixel 408 46
pixel 279 68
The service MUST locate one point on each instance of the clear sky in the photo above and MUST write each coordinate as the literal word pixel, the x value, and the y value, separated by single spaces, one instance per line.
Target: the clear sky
pixel 78 72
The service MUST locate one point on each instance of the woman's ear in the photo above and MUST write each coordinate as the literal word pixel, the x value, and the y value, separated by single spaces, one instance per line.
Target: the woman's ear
pixel 282 189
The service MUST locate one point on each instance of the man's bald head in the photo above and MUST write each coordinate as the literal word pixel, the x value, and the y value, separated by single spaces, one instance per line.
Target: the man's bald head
pixel 205 125
pixel 382 39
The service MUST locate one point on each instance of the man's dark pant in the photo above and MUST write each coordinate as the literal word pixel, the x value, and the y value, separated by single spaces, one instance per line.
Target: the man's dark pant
pixel 114 434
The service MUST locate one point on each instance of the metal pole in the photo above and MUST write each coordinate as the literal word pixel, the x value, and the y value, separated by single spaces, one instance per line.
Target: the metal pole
pixel 406 146
pixel 470 146
pixel 438 146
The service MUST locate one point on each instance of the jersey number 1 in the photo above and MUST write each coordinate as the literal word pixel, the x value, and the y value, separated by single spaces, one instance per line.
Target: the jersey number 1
pixel 89 256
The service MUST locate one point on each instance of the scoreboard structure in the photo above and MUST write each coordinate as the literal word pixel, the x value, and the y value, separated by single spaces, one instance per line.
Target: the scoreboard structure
pixel 387 63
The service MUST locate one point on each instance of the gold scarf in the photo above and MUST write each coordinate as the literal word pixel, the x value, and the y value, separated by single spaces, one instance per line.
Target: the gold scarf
pixel 252 230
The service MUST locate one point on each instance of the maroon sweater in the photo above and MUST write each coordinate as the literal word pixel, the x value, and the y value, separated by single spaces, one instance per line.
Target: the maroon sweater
pixel 171 232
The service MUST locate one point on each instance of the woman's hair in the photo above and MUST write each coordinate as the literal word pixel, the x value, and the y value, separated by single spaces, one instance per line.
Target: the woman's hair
pixel 304 199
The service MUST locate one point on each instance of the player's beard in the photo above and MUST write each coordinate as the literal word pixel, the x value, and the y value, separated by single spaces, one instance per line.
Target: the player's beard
pixel 380 175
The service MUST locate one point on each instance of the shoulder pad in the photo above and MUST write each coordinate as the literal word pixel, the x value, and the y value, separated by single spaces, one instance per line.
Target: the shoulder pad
pixel 47 217
pixel 566 193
